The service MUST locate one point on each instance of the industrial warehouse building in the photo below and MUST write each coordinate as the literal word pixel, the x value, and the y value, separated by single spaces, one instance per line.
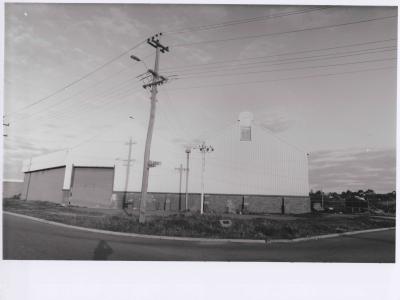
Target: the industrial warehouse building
pixel 250 170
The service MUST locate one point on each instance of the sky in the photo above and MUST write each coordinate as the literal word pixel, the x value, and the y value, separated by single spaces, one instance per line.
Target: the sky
pixel 320 78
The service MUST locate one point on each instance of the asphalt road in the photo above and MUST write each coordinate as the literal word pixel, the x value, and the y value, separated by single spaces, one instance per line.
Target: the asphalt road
pixel 32 240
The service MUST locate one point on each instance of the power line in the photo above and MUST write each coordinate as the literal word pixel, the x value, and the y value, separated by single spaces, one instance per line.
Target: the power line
pixel 77 80
pixel 277 62
pixel 108 100
pixel 256 70
pixel 176 116
pixel 71 97
pixel 108 104
pixel 287 69
pixel 100 94
pixel 281 33
pixel 281 79
pixel 290 59
pixel 173 126
pixel 283 54
pixel 102 132
pixel 242 21
pixel 85 102
pixel 105 105
pixel 112 88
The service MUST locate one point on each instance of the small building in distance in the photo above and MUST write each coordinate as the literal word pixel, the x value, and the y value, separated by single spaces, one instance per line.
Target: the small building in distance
pixel 250 171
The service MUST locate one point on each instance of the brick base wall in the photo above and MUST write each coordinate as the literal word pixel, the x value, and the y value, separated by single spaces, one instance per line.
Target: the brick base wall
pixel 217 203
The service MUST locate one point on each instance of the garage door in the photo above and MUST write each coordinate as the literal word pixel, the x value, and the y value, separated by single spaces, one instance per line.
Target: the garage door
pixel 44 185
pixel 92 187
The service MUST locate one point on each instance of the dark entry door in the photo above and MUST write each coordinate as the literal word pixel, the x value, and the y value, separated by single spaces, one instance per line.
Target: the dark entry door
pixel 92 187
pixel 44 185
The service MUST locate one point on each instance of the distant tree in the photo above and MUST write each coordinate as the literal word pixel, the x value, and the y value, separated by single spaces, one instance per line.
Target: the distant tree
pixel 349 195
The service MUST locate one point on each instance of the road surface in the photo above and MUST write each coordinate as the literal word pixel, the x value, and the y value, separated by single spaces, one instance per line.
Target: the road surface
pixel 33 240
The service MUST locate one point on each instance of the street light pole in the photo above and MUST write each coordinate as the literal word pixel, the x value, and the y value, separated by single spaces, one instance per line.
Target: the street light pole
pixel 203 149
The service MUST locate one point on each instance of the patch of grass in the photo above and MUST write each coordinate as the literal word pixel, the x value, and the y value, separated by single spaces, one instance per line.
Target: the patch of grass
pixel 196 225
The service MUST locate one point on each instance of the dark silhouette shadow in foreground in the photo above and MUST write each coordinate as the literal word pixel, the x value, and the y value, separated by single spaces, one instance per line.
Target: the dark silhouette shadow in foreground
pixel 102 251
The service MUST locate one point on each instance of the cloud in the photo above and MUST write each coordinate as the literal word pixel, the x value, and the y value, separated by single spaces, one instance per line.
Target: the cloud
pixel 277 125
pixel 15 152
pixel 353 169
pixel 275 121
pixel 22 149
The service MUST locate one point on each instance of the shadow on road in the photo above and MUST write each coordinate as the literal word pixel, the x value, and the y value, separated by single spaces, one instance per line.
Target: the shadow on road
pixel 102 251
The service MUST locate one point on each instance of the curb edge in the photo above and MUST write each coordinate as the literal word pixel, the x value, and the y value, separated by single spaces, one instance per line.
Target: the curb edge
pixel 192 239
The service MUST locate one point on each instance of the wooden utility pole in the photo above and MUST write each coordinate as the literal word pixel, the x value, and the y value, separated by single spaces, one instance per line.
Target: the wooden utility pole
pixel 203 149
pixel 128 168
pixel 180 169
pixel 157 80
pixel 322 199
pixel 188 150
pixel 29 178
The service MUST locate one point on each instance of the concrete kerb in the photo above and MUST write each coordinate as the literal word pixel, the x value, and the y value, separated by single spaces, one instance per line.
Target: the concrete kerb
pixel 190 239
pixel 136 235
pixel 327 236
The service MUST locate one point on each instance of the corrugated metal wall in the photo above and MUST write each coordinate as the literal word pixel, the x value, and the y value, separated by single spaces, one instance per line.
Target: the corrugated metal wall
pixel 44 185
pixel 265 165
pixel 92 187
